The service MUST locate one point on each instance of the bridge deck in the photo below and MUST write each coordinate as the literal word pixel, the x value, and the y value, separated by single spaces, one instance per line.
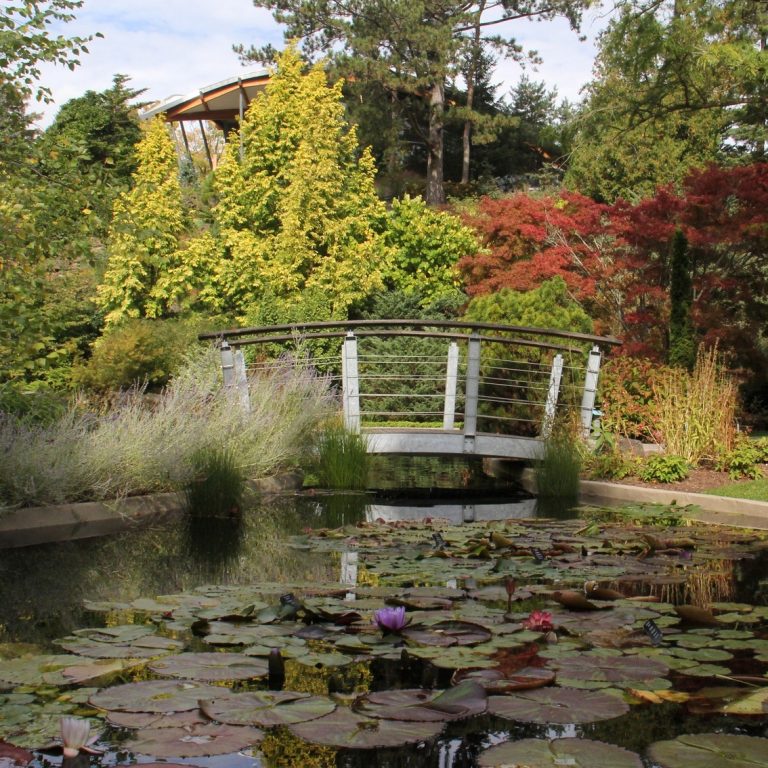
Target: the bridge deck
pixel 440 442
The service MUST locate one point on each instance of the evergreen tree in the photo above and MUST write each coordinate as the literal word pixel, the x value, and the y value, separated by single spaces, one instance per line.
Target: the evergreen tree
pixel 411 46
pixel 682 344
pixel 298 221
pixel 147 223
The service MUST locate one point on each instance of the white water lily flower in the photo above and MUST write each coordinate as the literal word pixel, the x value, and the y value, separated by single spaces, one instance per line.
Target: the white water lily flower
pixel 74 736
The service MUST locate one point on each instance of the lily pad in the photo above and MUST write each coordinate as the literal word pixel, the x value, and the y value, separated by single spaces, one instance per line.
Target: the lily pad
pixel 141 720
pixel 558 706
pixel 349 730
pixel 144 646
pixel 538 753
pixel 267 708
pixel 154 696
pixel 420 705
pixel 616 670
pixel 211 667
pixel 496 681
pixel 194 741
pixel 710 750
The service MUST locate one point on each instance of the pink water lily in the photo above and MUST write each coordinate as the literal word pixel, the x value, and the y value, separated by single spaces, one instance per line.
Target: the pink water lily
pixel 539 621
pixel 390 619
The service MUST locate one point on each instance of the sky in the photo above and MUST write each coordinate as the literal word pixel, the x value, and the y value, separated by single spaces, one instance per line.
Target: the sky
pixel 176 47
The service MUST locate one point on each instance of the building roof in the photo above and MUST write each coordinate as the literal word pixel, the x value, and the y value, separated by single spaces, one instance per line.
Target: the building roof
pixel 219 102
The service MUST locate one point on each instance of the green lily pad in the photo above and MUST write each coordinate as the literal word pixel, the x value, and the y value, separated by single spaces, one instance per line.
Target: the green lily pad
pixel 211 667
pixel 710 750
pixel 349 730
pixel 616 670
pixel 420 705
pixel 144 646
pixel 538 753
pixel 194 741
pixel 558 706
pixel 34 671
pixel 496 681
pixel 158 696
pixel 453 658
pixel 142 720
pixel 267 708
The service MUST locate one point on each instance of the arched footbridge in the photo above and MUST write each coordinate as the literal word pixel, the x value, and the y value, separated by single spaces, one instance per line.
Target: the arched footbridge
pixel 434 387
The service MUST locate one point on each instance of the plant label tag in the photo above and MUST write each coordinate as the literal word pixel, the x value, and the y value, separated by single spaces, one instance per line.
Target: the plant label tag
pixel 654 633
pixel 538 555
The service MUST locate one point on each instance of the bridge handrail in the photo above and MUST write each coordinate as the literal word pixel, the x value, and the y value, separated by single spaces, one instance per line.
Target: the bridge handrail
pixel 294 328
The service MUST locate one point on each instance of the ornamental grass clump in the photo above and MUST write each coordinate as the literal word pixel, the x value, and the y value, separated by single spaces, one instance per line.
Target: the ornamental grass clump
pixel 343 460
pixel 133 448
pixel 557 474
pixel 694 415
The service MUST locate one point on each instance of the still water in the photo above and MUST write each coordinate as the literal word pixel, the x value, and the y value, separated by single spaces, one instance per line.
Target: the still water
pixel 43 588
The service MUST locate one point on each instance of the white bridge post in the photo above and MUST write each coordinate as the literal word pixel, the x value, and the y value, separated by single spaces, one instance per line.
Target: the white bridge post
pixel 471 394
pixel 227 365
pixel 550 406
pixel 241 380
pixel 590 391
pixel 350 384
pixel 451 380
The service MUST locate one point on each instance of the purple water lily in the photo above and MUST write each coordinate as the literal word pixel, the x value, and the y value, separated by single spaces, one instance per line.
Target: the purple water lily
pixel 390 619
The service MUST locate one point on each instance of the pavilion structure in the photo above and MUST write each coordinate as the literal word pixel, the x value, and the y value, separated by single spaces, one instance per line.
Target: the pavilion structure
pixel 223 103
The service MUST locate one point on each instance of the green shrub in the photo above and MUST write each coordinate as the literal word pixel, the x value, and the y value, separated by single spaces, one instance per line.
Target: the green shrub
pixel 664 468
pixel 138 352
pixel 609 465
pixel 742 460
pixel 342 458
pixel 557 474
pixel 217 485
pixel 32 405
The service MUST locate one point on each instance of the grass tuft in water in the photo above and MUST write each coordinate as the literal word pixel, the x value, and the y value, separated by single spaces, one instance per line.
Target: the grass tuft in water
pixel 557 474
pixel 217 486
pixel 342 458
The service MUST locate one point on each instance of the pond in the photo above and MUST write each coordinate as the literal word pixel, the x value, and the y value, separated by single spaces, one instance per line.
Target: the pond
pixel 123 629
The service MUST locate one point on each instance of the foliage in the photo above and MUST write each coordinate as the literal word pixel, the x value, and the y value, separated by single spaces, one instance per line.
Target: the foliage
pixel 523 389
pixel 425 244
pixel 557 474
pixel 742 459
pixel 104 125
pixel 147 223
pixel 694 414
pixel 664 515
pixel 721 212
pixel 140 352
pixel 682 344
pixel 529 239
pixel 655 109
pixel 609 464
pixel 664 468
pixel 25 43
pixel 130 449
pixel 299 217
pixel 410 47
pixel 35 407
pixel 342 458
pixel 626 390
pixel 217 485
pixel 549 305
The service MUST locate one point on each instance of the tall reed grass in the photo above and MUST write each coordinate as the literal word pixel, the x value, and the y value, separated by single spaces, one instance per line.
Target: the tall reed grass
pixel 695 414
pixel 343 460
pixel 131 448
pixel 218 485
pixel 557 474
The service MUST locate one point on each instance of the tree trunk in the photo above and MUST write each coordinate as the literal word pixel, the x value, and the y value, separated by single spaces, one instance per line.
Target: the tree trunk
pixel 435 190
pixel 471 79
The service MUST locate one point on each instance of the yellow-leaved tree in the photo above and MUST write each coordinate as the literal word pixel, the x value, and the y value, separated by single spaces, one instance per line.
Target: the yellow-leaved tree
pixel 148 221
pixel 297 224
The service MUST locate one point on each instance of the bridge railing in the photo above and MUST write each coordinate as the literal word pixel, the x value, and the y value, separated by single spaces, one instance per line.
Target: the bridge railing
pixel 439 374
